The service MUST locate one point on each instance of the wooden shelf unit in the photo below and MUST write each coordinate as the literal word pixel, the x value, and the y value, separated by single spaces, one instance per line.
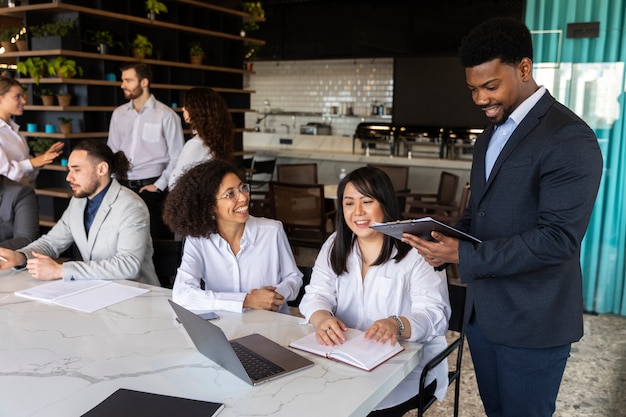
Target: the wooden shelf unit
pixel 95 95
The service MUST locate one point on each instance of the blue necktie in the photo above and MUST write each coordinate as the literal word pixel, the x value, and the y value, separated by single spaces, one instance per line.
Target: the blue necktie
pixel 497 142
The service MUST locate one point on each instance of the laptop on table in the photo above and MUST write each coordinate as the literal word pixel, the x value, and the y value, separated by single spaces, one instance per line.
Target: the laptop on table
pixel 254 358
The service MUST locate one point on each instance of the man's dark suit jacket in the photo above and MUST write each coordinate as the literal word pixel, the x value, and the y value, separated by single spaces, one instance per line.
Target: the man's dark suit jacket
pixel 19 214
pixel 524 281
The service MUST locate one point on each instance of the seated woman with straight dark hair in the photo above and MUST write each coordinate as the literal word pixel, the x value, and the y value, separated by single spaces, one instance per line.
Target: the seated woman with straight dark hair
pixel 244 261
pixel 366 280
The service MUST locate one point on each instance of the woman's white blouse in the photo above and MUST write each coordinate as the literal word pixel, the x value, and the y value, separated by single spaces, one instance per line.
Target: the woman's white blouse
pixel 265 258
pixel 409 288
pixel 15 154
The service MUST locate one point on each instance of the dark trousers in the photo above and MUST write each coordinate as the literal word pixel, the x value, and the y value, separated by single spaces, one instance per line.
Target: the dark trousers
pixel 516 382
pixel 154 201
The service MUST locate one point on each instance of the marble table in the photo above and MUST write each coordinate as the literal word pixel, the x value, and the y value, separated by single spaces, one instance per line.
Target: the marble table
pixel 55 361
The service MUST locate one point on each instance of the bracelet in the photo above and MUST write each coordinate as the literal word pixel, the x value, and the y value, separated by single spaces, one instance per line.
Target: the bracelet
pixel 400 324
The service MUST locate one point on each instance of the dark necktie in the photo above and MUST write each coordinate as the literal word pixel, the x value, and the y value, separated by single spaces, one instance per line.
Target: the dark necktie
pixel 90 213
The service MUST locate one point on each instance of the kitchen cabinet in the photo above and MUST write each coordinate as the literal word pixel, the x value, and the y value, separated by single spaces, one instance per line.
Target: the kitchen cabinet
pixel 96 94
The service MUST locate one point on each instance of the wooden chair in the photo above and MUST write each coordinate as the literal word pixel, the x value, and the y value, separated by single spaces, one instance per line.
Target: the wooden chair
pixel 399 176
pixel 302 210
pixel 297 173
pixel 445 196
pixel 445 213
pixel 258 175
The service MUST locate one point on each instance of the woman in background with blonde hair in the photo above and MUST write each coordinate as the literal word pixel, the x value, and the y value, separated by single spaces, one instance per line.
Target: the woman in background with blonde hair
pixel 15 160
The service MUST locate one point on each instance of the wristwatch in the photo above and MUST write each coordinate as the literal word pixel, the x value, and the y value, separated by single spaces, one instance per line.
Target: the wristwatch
pixel 400 324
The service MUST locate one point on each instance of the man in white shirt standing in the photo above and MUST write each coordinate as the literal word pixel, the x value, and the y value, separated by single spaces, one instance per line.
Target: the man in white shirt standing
pixel 151 135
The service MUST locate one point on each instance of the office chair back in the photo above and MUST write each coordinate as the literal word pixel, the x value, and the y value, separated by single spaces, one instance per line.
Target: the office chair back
pixel 297 173
pixel 302 210
pixel 166 258
pixel 456 324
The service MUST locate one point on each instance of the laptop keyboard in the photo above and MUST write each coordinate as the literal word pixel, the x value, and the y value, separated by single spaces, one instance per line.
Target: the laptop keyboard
pixel 256 366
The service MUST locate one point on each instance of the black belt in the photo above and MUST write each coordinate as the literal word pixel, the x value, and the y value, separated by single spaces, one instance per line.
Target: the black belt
pixel 138 183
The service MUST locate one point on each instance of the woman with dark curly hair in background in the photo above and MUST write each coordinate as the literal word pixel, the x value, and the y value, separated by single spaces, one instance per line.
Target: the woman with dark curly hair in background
pixel 244 261
pixel 207 114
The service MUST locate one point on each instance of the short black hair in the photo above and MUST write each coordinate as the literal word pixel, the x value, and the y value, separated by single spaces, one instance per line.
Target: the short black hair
pixel 505 38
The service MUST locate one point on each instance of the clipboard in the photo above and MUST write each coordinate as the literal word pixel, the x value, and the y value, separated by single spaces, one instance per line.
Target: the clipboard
pixel 421 228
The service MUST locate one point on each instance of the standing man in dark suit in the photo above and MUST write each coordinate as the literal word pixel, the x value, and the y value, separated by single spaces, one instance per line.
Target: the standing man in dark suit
pixel 534 179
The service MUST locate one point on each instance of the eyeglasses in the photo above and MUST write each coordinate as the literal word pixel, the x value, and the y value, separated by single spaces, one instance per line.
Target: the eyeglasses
pixel 232 193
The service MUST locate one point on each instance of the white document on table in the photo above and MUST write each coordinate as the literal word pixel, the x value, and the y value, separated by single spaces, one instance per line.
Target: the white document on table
pixel 84 295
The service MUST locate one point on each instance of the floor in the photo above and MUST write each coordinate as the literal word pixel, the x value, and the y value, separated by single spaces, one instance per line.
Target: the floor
pixel 594 384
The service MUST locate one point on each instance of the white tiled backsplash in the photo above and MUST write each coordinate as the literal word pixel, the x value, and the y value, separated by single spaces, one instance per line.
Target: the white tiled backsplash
pixel 326 87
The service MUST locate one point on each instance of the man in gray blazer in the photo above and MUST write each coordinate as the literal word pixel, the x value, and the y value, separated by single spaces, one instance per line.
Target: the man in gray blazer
pixel 534 179
pixel 19 214
pixel 108 223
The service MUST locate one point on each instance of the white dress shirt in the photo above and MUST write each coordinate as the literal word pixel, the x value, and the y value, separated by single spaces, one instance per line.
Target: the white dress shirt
pixel 410 288
pixel 264 258
pixel 152 139
pixel 193 153
pixel 15 154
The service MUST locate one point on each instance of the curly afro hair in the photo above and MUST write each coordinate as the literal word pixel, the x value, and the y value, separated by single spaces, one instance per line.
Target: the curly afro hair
pixel 190 207
pixel 503 37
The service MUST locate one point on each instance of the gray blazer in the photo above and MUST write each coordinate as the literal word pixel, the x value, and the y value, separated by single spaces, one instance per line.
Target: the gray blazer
pixel 119 245
pixel 524 281
pixel 19 214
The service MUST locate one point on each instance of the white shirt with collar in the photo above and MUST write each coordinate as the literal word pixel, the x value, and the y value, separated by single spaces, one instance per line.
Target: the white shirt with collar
pixel 265 258
pixel 15 154
pixel 409 288
pixel 151 138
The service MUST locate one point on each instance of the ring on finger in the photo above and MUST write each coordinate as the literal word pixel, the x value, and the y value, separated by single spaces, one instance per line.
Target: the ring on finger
pixel 327 329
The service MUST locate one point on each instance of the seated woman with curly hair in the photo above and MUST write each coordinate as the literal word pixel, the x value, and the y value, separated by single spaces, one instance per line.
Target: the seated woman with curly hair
pixel 244 262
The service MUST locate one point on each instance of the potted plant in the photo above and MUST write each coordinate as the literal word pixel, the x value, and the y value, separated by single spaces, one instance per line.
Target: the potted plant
pixel 40 145
pixel 154 7
pixel 47 96
pixel 7 39
pixel 257 14
pixel 64 67
pixel 102 39
pixel 141 47
pixel 64 98
pixel 196 53
pixel 65 125
pixel 55 35
pixel 36 67
pixel 21 41
pixel 251 51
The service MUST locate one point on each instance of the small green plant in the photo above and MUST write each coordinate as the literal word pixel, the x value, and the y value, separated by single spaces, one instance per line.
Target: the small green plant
pixel 251 51
pixel 43 92
pixel 195 49
pixel 101 37
pixel 155 6
pixel 255 9
pixel 65 120
pixel 7 34
pixel 40 145
pixel 36 67
pixel 64 67
pixel 61 28
pixel 142 46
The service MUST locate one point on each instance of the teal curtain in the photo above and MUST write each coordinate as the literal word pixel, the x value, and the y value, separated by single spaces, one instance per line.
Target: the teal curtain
pixel 603 256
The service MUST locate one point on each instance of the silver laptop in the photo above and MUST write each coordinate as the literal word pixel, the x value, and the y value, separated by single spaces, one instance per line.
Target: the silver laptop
pixel 253 358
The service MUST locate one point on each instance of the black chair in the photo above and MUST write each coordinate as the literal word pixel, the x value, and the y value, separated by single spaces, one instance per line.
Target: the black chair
pixel 258 175
pixel 306 278
pixel 166 258
pixel 456 324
